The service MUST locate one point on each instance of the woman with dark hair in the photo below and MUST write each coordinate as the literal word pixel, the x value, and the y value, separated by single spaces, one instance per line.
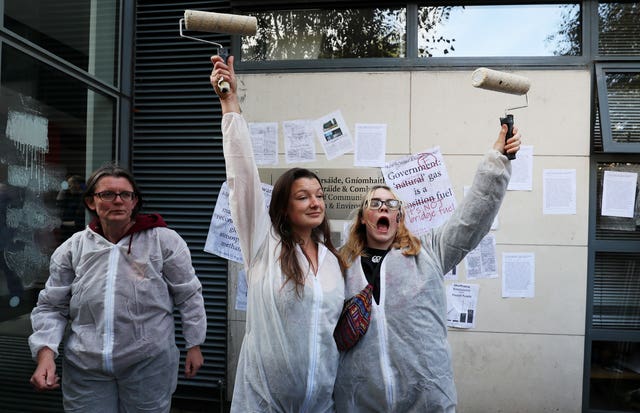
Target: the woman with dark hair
pixel 288 360
pixel 403 362
pixel 116 283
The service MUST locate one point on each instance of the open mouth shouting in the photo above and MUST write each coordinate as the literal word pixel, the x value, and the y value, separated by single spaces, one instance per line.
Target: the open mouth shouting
pixel 381 217
pixel 383 225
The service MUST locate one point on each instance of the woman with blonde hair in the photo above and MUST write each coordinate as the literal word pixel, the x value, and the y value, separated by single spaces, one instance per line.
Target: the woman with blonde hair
pixel 403 362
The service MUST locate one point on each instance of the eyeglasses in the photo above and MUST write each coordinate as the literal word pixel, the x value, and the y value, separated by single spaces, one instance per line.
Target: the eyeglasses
pixel 376 203
pixel 111 196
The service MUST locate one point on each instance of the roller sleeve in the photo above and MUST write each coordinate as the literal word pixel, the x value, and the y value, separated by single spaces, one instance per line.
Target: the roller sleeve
pixel 202 21
pixel 497 81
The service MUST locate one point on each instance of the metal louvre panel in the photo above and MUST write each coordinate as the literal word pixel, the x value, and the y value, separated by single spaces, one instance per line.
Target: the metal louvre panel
pixel 618 28
pixel 596 140
pixel 16 393
pixel 176 156
pixel 616 291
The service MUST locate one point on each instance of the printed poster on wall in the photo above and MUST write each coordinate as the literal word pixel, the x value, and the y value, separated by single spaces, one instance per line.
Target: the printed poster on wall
pixel 222 239
pixel 462 301
pixel 333 134
pixel 422 182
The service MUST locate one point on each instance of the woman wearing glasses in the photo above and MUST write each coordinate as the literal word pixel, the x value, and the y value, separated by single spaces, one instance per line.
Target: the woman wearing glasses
pixel 117 282
pixel 403 362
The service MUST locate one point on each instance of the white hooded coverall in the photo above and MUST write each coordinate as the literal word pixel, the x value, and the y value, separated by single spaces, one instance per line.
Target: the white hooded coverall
pixel 119 299
pixel 288 359
pixel 403 363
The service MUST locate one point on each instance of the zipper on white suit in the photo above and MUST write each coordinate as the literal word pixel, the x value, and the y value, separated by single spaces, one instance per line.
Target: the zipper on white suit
pixel 109 305
pixel 382 338
pixel 313 343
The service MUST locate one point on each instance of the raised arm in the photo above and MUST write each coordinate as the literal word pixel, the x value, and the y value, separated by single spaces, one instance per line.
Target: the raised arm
pixel 224 71
pixel 472 220
pixel 246 199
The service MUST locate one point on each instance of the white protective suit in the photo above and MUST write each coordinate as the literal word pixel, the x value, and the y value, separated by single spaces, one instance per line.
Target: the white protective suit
pixel 288 360
pixel 119 298
pixel 403 363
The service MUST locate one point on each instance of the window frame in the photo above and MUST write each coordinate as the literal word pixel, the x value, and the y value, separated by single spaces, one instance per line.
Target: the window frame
pixel 118 91
pixel 595 246
pixel 411 61
pixel 610 152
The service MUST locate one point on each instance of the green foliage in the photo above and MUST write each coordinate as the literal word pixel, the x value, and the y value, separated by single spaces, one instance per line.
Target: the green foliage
pixel 339 33
pixel 618 30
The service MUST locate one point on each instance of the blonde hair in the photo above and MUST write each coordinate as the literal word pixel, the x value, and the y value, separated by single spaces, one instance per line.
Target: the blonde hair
pixel 357 241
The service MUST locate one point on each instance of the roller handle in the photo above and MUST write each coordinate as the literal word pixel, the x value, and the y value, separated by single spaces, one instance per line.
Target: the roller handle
pixel 223 85
pixel 508 120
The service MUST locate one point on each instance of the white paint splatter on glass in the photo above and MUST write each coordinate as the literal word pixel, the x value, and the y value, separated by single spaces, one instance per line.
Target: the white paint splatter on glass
pixel 47 180
pixel 32 215
pixel 28 263
pixel 29 130
pixel 29 133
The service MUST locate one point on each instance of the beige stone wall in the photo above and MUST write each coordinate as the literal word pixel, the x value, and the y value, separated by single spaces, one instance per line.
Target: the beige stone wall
pixel 525 354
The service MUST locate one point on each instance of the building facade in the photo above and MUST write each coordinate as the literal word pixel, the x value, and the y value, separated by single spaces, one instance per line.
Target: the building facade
pixel 83 83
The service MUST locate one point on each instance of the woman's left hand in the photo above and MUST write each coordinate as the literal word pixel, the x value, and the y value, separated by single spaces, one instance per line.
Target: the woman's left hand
pixel 194 362
pixel 512 145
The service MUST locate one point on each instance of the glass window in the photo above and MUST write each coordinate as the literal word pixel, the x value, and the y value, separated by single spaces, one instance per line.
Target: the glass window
pixel 442 31
pixel 623 97
pixel 327 34
pixel 612 227
pixel 85 33
pixel 619 28
pixel 504 30
pixel 615 376
pixel 619 100
pixel 616 291
pixel 53 132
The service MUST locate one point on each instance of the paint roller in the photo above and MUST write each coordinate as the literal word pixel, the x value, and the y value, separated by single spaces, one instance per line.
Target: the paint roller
pixel 203 21
pixel 497 81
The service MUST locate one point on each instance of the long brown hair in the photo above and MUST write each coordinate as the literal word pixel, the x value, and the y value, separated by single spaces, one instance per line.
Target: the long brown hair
pixel 281 225
pixel 357 241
